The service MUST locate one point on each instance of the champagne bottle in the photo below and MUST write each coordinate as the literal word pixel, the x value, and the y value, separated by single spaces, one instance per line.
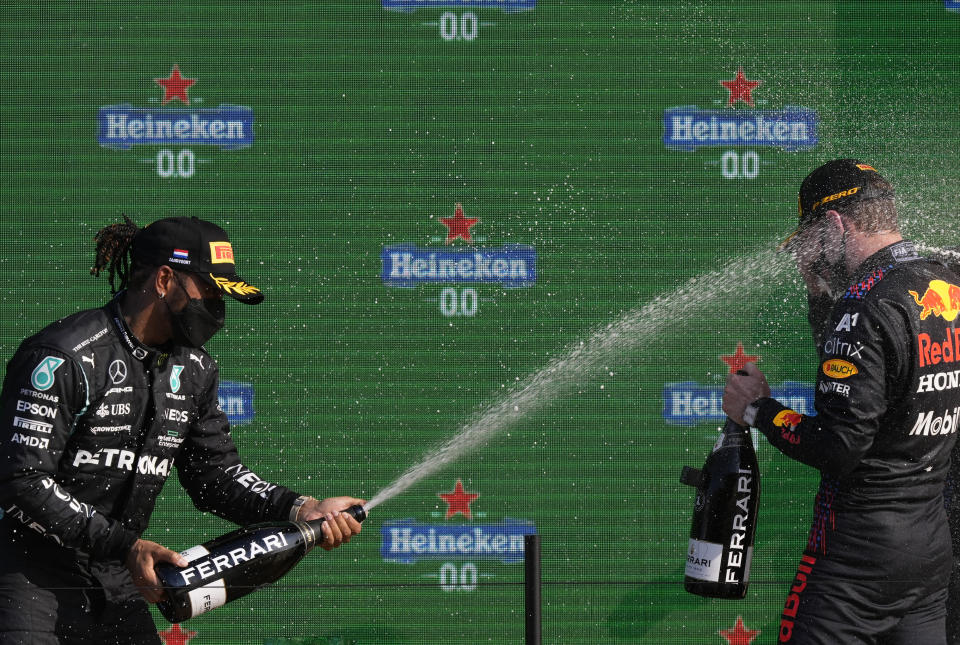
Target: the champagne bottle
pixel 724 516
pixel 235 564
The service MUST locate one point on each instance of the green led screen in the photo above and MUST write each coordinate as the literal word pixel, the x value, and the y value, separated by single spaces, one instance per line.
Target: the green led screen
pixel 549 223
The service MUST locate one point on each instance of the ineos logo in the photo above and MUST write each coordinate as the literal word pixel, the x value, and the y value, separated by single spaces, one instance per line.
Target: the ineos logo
pixel 118 372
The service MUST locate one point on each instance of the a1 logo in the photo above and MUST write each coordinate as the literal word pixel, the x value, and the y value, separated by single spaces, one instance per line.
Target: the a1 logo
pixel 42 377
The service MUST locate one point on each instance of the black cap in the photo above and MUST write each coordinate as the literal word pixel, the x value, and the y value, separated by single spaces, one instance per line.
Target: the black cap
pixel 194 245
pixel 834 186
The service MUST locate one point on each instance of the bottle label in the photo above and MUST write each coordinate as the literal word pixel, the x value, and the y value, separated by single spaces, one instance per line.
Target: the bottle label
pixel 194 552
pixel 209 596
pixel 704 560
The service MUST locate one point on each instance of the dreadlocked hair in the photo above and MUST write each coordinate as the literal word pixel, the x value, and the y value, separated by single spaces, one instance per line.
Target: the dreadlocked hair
pixel 113 252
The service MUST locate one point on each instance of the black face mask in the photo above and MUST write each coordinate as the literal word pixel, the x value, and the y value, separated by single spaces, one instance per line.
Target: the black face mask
pixel 196 323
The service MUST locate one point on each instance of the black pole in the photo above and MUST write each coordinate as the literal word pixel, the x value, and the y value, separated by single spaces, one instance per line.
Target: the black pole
pixel 531 587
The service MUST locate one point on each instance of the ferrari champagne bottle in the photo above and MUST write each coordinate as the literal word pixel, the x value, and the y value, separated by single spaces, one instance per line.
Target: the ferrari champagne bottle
pixel 724 516
pixel 235 564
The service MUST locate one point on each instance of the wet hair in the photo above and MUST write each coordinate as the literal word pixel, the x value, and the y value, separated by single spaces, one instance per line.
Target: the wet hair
pixel 876 211
pixel 113 253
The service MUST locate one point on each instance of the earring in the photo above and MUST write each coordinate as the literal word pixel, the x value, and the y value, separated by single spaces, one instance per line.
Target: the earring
pixel 161 296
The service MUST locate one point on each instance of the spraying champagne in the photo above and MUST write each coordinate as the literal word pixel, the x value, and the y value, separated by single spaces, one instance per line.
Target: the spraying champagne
pixel 235 564
pixel 724 516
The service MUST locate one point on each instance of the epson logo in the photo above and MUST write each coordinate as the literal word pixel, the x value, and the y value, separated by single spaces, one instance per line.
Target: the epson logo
pixel 929 425
pixel 37 409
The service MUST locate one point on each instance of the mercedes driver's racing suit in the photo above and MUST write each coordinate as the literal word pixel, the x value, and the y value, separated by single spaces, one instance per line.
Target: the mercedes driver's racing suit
pixel 877 559
pixel 91 424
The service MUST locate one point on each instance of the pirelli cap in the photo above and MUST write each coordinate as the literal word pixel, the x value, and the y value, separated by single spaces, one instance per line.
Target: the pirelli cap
pixel 835 185
pixel 194 245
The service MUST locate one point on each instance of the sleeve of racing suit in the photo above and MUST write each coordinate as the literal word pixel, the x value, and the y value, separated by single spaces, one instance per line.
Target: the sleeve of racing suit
pixel 210 470
pixel 860 355
pixel 43 393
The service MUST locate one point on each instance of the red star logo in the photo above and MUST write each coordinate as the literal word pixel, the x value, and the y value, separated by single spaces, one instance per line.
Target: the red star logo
pixel 459 501
pixel 176 636
pixel 175 86
pixel 739 359
pixel 738 634
pixel 458 225
pixel 740 89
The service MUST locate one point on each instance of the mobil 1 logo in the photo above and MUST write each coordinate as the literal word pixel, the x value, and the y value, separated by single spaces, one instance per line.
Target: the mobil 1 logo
pixel 739 133
pixel 458 20
pixel 459 268
pixel 176 127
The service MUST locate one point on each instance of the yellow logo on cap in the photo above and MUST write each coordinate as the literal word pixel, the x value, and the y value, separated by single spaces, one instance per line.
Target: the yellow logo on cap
pixel 830 198
pixel 221 252
pixel 863 166
pixel 238 287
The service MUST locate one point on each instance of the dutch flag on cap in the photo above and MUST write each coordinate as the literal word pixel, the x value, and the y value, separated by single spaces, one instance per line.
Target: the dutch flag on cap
pixel 182 254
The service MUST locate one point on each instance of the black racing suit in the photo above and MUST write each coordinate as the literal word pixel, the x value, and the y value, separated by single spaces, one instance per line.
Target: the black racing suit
pixel 952 498
pixel 91 424
pixel 877 561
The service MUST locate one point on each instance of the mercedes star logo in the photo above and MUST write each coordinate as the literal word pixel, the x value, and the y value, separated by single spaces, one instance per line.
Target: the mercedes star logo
pixel 118 372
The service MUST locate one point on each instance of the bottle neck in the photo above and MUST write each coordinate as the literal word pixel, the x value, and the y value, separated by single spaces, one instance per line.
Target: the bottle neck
pixel 734 435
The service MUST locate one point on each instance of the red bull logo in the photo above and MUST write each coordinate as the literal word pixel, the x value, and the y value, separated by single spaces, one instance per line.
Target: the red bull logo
pixel 788 420
pixel 835 368
pixel 940 299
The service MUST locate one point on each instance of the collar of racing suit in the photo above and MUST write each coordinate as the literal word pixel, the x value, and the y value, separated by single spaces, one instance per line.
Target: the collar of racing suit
pixel 902 251
pixel 141 352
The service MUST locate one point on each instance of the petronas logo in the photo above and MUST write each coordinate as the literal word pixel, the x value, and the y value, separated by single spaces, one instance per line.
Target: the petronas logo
pixel 42 377
pixel 175 378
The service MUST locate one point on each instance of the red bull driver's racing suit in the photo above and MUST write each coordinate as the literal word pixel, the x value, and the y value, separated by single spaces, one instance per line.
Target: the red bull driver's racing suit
pixel 878 554
pixel 91 424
